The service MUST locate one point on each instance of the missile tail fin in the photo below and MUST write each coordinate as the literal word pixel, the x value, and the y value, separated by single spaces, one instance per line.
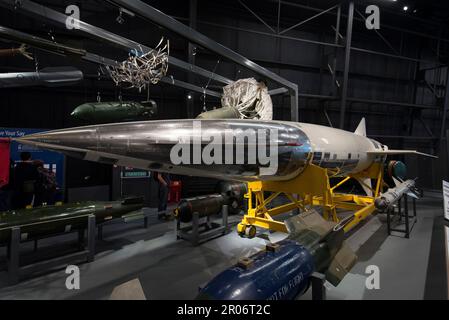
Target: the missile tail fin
pixel 310 220
pixel 343 258
pixel 412 195
pixel 361 128
pixel 342 263
pixel 396 181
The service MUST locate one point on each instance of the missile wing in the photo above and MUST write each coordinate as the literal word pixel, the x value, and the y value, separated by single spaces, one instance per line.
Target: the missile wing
pixel 392 152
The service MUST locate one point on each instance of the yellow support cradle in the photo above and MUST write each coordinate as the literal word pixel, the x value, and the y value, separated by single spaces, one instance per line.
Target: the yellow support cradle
pixel 310 189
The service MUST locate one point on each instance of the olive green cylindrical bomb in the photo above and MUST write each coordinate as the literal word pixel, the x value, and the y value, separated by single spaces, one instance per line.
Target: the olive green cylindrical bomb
pixel 220 113
pixel 52 220
pixel 204 205
pixel 231 194
pixel 116 111
pixel 234 194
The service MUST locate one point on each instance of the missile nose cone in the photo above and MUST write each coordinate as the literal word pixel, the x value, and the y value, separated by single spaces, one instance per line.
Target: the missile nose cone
pixel 73 142
pixel 381 204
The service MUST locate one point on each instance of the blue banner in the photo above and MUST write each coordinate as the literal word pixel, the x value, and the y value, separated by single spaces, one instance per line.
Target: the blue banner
pixel 52 160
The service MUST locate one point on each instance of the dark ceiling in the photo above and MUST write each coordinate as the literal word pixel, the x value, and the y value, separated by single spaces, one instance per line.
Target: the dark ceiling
pixel 429 17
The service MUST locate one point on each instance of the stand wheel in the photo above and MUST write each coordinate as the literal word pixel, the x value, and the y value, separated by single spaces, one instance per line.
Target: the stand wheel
pixel 251 232
pixel 241 229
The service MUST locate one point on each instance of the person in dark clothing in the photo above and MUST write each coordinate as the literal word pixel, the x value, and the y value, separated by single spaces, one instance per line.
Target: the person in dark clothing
pixel 45 186
pixel 25 177
pixel 164 183
pixel 4 198
pixel 6 191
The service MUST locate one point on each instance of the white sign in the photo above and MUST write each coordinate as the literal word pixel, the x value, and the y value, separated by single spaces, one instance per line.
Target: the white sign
pixel 446 199
pixel 446 228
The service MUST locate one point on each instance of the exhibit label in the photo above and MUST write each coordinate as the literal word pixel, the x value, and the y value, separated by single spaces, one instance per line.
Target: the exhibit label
pixel 446 229
pixel 53 161
pixel 128 172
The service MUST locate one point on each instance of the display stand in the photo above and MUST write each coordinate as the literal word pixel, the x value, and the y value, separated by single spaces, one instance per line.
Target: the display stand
pixel 16 272
pixel 145 217
pixel 317 281
pixel 147 214
pixel 403 212
pixel 318 288
pixel 199 231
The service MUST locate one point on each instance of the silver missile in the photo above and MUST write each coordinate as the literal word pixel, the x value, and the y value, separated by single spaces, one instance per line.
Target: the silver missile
pixel 392 195
pixel 227 149
pixel 242 150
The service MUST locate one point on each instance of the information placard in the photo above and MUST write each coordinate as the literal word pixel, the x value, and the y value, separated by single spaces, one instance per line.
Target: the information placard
pixel 446 228
pixel 52 160
pixel 128 172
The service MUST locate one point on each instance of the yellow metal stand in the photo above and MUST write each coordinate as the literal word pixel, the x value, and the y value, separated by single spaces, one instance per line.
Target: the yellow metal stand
pixel 311 188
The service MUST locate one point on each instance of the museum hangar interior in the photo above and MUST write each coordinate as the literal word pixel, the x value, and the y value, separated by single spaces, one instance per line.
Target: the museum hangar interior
pixel 226 150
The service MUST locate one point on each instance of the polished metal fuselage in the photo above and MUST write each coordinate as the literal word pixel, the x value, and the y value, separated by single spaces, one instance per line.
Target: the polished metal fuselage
pixel 245 150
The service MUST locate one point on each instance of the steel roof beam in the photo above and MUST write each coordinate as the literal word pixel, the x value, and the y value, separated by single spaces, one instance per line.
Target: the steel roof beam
pixel 152 14
pixel 42 12
pixel 59 49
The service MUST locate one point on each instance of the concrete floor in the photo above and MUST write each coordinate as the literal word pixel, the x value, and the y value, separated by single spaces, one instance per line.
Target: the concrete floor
pixel 402 262
pixel 171 269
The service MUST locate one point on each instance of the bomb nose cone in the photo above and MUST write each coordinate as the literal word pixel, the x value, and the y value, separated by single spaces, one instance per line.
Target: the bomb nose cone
pixel 82 112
